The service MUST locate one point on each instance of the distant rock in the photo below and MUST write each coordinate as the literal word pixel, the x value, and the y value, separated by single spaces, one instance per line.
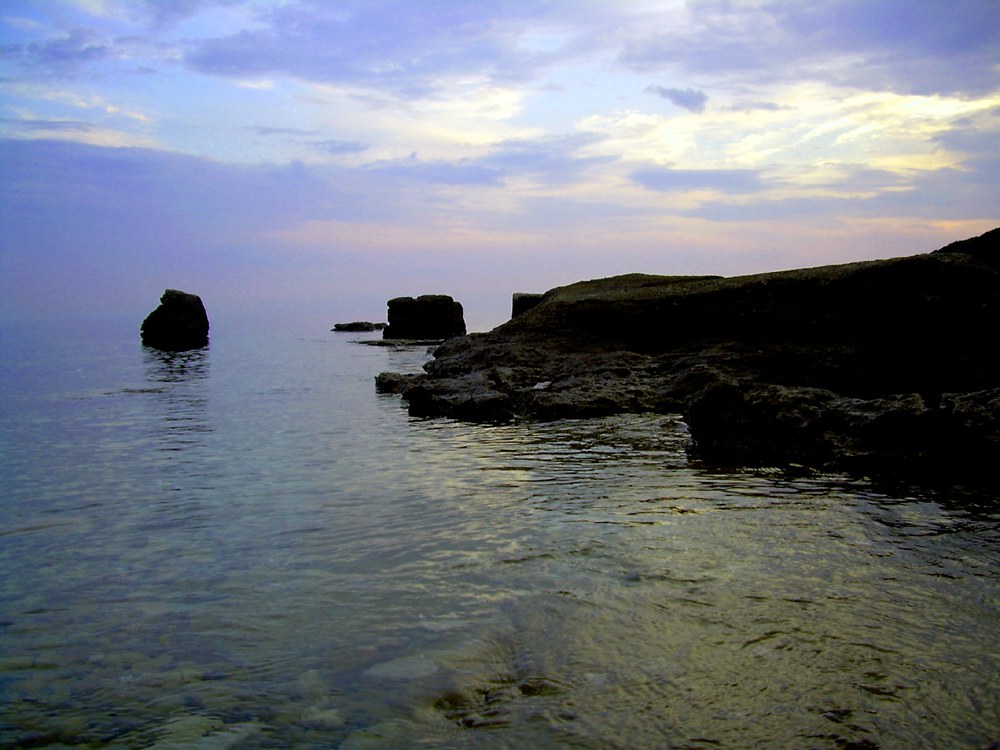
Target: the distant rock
pixel 358 326
pixel 431 316
pixel 886 363
pixel 524 301
pixel 178 324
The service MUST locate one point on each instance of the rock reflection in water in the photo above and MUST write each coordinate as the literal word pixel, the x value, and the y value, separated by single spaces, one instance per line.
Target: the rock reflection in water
pixel 179 381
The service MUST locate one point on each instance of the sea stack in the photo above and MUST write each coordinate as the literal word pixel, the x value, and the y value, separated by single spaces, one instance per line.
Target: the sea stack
pixel 430 316
pixel 180 323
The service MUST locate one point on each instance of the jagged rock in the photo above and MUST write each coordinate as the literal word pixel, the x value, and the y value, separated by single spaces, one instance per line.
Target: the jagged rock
pixel 358 326
pixel 430 316
pixel 854 365
pixel 524 301
pixel 178 324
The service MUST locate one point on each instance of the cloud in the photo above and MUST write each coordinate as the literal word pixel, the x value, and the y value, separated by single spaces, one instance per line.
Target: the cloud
pixel 120 224
pixel 331 146
pixel 553 159
pixel 549 159
pixel 732 181
pixel 413 49
pixel 439 172
pixel 85 226
pixel 163 13
pixel 923 47
pixel 969 139
pixel 264 130
pixel 137 192
pixel 758 106
pixel 340 147
pixel 60 56
pixel 690 99
pixel 50 126
pixel 950 194
pixel 97 134
pixel 405 47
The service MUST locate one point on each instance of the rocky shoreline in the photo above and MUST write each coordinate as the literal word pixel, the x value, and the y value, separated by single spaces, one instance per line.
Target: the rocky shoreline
pixel 886 364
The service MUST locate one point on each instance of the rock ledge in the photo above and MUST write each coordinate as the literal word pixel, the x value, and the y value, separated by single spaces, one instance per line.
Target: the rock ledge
pixel 877 364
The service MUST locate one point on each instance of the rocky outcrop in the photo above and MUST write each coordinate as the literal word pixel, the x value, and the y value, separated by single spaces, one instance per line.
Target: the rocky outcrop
pixel 180 323
pixel 872 363
pixel 358 326
pixel 430 316
pixel 524 301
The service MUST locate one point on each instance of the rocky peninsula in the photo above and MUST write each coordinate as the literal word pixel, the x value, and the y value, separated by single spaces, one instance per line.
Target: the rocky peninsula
pixel 887 364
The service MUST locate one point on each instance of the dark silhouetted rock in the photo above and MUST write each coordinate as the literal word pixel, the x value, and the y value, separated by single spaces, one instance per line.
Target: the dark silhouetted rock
pixel 178 324
pixel 887 362
pixel 358 326
pixel 431 316
pixel 523 301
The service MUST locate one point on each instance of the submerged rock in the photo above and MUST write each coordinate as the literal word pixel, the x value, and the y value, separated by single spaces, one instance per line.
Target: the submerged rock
pixel 886 361
pixel 431 316
pixel 180 323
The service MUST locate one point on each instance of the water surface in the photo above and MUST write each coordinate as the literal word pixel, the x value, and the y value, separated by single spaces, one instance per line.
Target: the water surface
pixel 246 547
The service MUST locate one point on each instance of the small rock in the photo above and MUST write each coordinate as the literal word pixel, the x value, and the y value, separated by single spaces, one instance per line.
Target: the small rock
pixel 358 326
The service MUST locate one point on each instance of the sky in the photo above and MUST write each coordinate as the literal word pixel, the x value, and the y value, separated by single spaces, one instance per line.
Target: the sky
pixel 301 157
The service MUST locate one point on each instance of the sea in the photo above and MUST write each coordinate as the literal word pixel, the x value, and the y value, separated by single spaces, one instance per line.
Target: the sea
pixel 245 546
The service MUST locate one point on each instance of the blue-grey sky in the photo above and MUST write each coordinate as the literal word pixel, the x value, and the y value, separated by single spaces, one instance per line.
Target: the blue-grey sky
pixel 287 156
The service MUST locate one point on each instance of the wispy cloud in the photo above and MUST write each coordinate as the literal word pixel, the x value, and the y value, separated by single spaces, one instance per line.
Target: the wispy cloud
pixel 736 181
pixel 758 106
pixel 439 172
pixel 75 126
pixel 340 147
pixel 690 99
pixel 63 55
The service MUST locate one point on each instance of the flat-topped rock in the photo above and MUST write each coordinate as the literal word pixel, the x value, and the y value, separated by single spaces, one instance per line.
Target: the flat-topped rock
pixel 430 316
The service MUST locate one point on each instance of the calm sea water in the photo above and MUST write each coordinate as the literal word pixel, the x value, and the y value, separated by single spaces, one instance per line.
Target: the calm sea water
pixel 247 547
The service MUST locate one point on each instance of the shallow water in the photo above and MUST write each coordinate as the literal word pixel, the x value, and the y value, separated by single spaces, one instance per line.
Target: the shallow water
pixel 246 547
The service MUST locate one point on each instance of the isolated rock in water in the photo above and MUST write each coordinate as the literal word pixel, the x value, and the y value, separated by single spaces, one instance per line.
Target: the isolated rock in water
pixel 178 324
pixel 358 326
pixel 524 301
pixel 430 316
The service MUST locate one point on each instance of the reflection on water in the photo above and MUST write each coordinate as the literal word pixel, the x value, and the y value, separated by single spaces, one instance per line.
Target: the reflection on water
pixel 175 367
pixel 306 567
pixel 178 383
